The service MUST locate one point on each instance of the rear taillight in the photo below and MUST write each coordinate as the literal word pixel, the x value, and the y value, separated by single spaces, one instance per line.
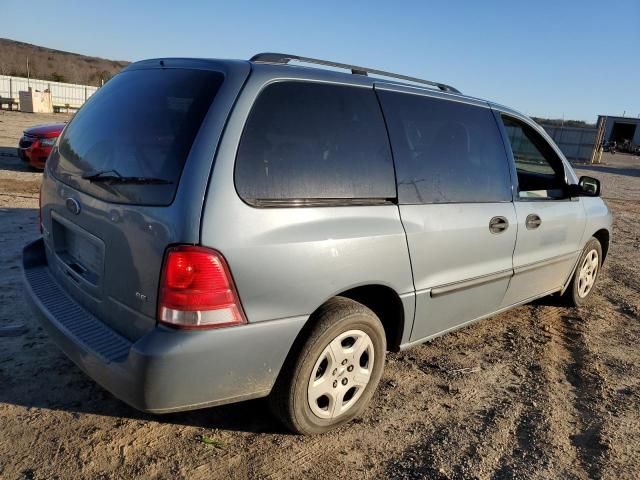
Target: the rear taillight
pixel 40 208
pixel 197 290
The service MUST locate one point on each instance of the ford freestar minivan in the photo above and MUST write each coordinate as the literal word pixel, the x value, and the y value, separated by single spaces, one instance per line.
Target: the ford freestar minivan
pixel 219 230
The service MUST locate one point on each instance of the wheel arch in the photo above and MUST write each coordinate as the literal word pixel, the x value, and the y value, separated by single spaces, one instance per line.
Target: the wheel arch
pixel 603 236
pixel 383 300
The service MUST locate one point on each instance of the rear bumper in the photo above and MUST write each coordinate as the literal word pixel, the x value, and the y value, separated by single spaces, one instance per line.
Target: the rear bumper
pixel 165 370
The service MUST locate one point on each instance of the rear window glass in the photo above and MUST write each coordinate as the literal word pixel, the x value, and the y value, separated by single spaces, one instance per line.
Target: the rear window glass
pixel 445 151
pixel 314 142
pixel 141 124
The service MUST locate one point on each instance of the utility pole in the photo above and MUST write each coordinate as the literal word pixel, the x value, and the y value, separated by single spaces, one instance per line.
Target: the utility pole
pixel 28 75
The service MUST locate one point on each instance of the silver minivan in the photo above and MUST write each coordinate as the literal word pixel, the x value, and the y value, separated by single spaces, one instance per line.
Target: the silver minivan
pixel 220 230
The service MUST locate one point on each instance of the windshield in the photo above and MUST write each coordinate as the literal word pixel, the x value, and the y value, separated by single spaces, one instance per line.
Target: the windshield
pixel 141 124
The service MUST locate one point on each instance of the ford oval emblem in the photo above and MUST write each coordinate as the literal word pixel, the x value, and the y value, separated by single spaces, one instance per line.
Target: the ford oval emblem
pixel 73 206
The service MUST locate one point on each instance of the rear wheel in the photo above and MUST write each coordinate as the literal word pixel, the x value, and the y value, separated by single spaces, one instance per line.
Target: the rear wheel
pixel 332 375
pixel 585 275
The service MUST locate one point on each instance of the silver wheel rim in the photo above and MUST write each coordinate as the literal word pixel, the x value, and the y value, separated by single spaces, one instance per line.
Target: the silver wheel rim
pixel 588 272
pixel 341 374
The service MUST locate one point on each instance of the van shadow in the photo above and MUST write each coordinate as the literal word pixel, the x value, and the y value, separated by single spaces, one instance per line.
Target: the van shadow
pixel 34 373
pixel 43 377
pixel 82 396
pixel 550 301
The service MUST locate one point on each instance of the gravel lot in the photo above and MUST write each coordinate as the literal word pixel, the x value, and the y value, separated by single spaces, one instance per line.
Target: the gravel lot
pixel 549 392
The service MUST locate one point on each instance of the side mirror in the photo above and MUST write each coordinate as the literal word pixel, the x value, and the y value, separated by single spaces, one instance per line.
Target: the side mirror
pixel 586 187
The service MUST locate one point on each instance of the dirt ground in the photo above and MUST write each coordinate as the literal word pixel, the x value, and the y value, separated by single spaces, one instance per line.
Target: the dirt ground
pixel 548 392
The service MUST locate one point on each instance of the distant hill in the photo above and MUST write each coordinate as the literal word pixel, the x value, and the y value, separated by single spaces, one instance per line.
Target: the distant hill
pixel 55 65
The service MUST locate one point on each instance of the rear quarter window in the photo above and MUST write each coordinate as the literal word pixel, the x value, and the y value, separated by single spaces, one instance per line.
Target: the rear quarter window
pixel 307 143
pixel 142 123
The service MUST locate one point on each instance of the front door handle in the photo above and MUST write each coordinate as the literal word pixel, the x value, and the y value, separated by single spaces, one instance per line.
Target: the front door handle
pixel 533 221
pixel 498 224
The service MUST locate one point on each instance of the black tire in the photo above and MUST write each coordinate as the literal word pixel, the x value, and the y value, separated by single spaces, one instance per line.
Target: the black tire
pixel 289 399
pixel 571 295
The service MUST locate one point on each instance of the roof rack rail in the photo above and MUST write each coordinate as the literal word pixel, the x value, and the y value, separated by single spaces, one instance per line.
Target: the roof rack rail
pixel 285 58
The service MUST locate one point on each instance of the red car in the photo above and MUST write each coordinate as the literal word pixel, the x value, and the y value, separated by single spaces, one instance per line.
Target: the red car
pixel 36 143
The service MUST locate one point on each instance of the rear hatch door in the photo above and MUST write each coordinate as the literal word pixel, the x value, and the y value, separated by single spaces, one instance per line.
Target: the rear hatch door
pixel 128 178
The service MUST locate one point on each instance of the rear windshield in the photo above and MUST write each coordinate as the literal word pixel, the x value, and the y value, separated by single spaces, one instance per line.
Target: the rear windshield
pixel 139 127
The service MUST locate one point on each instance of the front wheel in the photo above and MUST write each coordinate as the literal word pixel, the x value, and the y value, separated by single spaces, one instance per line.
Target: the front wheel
pixel 333 373
pixel 585 275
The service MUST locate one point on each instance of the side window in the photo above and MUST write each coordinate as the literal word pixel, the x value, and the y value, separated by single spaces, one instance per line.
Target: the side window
pixel 540 170
pixel 445 151
pixel 308 141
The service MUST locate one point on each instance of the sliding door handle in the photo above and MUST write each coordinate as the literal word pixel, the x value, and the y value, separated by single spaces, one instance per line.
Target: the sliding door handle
pixel 498 224
pixel 533 221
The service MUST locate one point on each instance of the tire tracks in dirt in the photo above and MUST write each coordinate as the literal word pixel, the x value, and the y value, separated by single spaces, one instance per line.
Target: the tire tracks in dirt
pixel 587 383
pixel 550 423
pixel 562 419
pixel 501 425
pixel 537 436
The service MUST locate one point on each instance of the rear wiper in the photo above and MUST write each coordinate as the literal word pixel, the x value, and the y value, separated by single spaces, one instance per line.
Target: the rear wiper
pixel 113 177
pixel 100 174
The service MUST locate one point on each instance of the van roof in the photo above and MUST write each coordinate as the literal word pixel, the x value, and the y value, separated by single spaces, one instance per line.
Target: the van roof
pixel 360 75
pixel 357 75
pixel 282 59
pixel 285 58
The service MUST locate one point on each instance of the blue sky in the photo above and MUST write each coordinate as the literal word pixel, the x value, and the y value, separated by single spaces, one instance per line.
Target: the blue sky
pixel 546 58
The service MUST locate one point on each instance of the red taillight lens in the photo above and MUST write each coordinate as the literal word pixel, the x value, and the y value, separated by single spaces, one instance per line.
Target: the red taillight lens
pixel 197 290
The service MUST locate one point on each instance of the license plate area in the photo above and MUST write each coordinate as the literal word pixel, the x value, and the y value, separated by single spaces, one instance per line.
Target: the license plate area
pixel 79 254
